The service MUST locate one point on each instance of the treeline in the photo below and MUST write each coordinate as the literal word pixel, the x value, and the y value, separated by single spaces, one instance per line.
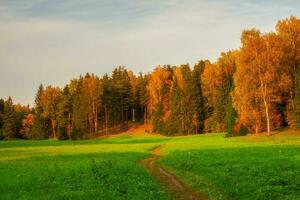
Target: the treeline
pixel 11 119
pixel 252 89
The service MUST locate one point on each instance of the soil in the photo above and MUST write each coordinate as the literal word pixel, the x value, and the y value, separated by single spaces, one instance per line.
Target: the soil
pixel 169 182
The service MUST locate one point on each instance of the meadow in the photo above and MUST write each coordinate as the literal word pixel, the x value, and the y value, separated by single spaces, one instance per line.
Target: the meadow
pixel 96 169
pixel 250 167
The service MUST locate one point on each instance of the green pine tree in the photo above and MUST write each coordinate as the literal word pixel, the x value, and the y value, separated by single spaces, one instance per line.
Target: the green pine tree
pixel 64 115
pixel 142 98
pixel 186 99
pixel 80 111
pixel 157 115
pixel 9 120
pixel 174 123
pixel 1 117
pixel 106 103
pixel 121 97
pixel 197 102
pixel 230 117
pixel 39 129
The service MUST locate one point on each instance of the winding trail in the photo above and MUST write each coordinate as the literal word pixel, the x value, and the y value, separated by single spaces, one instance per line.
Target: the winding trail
pixel 169 182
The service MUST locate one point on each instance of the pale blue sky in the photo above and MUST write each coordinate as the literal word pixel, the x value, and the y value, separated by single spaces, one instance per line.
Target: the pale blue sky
pixel 53 41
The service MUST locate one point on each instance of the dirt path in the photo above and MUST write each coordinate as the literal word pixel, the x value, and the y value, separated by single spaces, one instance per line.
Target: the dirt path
pixel 169 182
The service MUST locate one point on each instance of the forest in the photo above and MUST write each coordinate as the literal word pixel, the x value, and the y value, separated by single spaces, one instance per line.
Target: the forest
pixel 252 89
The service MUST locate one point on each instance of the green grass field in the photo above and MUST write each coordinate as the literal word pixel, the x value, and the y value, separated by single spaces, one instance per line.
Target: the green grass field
pixel 238 168
pixel 96 169
pixel 222 168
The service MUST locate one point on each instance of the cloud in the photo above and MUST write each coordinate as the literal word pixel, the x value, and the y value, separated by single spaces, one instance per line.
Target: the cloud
pixel 52 42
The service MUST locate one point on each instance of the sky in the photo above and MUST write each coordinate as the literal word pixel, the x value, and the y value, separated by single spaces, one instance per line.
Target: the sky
pixel 54 41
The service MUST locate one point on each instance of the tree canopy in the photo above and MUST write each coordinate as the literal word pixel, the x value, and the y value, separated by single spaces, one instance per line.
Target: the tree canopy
pixel 251 89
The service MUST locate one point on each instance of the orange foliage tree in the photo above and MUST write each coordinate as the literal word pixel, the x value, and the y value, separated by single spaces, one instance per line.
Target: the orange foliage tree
pixel 159 91
pixel 259 78
pixel 289 31
pixel 49 102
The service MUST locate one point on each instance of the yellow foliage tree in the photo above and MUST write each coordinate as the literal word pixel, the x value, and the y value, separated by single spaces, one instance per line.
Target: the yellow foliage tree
pixel 259 78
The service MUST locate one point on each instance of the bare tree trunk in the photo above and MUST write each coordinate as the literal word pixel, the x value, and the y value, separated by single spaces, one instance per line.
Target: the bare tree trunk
pixel 133 115
pixel 105 111
pixel 122 112
pixel 127 118
pixel 145 115
pixel 263 88
pixel 95 110
pixel 106 120
pixel 96 120
pixel 267 117
pixel 69 125
pixel 256 129
pixel 93 117
pixel 53 123
pixel 90 117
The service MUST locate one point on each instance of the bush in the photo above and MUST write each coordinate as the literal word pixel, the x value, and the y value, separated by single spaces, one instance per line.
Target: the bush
pixel 77 134
pixel 228 134
pixel 62 133
pixel 243 131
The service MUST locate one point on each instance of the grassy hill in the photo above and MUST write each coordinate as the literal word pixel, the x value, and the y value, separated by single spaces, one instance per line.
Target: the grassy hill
pixel 251 167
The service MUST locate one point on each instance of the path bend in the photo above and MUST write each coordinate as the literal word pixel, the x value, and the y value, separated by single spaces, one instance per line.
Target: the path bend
pixel 171 183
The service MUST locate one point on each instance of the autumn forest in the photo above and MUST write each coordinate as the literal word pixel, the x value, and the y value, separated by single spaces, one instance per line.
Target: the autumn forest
pixel 249 90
